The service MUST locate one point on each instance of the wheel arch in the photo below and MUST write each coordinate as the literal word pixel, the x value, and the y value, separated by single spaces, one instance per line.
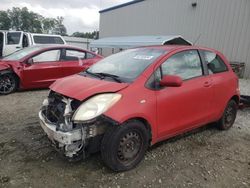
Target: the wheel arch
pixel 236 99
pixel 10 71
pixel 6 71
pixel 146 125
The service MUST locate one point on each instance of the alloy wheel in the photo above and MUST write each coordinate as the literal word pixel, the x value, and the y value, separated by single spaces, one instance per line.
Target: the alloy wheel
pixel 7 84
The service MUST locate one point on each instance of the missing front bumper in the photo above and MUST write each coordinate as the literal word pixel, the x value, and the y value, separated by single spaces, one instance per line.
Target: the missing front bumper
pixel 65 138
pixel 82 140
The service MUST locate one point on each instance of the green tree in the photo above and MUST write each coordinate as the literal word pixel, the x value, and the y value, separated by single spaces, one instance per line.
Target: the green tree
pixel 48 25
pixel 60 29
pixel 78 34
pixel 25 20
pixel 36 22
pixel 30 21
pixel 90 35
pixel 4 21
pixel 15 17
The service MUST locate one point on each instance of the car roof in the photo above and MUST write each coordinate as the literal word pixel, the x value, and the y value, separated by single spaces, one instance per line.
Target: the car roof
pixel 44 47
pixel 55 46
pixel 170 48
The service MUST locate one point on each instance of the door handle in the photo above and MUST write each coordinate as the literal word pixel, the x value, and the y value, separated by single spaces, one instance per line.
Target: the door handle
pixel 18 47
pixel 207 84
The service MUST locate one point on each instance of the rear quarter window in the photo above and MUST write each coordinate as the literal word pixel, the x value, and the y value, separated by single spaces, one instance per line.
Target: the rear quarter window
pixel 74 55
pixel 89 56
pixel 48 40
pixel 214 63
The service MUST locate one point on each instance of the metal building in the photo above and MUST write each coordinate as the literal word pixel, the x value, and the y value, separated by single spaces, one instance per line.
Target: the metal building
pixel 219 24
pixel 78 42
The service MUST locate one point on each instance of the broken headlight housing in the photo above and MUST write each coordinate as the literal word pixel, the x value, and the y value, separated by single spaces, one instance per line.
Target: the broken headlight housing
pixel 95 106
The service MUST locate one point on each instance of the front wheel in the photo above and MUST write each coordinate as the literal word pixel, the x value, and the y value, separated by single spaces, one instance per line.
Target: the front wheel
pixel 229 116
pixel 124 146
pixel 8 83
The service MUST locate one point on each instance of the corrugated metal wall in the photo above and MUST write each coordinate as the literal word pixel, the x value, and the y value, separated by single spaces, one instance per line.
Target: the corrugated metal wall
pixel 221 24
pixel 78 42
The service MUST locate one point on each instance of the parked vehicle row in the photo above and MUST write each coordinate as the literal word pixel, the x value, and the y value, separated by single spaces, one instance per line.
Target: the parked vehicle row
pixel 129 101
pixel 11 41
pixel 39 66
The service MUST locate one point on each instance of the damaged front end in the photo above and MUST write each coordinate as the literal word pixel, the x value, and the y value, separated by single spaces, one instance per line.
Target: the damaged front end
pixel 73 139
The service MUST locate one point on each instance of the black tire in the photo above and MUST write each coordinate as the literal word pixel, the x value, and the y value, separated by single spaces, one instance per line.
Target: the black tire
pixel 124 146
pixel 8 83
pixel 229 116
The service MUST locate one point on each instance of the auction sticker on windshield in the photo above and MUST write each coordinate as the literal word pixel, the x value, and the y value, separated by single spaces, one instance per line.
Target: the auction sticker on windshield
pixel 143 57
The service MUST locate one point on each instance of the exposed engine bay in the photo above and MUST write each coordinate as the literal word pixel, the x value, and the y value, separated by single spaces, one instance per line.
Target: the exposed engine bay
pixel 73 139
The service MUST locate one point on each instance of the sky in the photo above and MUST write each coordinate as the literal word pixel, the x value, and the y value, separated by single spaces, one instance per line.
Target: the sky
pixel 79 15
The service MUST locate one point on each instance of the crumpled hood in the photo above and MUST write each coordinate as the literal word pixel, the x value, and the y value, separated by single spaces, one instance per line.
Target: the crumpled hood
pixel 80 87
pixel 4 65
pixel 9 64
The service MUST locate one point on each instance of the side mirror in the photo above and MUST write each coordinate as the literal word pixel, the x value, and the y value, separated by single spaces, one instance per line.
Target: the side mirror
pixel 30 61
pixel 171 81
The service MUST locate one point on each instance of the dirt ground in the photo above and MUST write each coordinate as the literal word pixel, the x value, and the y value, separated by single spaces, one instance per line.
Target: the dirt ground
pixel 204 158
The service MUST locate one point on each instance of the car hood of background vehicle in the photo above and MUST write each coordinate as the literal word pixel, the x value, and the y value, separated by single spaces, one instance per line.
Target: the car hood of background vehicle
pixel 81 87
pixel 4 65
pixel 7 64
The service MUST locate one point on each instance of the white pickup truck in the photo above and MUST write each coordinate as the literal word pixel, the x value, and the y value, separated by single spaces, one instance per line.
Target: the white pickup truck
pixel 11 41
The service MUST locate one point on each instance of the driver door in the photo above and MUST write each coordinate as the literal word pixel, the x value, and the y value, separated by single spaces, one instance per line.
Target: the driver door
pixel 44 69
pixel 188 106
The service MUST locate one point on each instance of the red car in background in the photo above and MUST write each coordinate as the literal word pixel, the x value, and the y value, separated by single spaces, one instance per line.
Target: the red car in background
pixel 40 66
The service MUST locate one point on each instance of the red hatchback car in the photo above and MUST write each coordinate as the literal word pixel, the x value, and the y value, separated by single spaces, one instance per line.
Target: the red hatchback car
pixel 39 66
pixel 136 98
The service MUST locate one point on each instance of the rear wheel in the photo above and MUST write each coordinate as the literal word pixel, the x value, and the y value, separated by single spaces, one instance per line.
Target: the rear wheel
pixel 124 146
pixel 229 116
pixel 8 83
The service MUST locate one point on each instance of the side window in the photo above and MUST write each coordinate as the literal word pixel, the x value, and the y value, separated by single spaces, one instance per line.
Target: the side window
pixel 52 55
pixel 185 64
pixel 154 80
pixel 214 63
pixel 89 56
pixel 72 55
pixel 13 37
pixel 39 39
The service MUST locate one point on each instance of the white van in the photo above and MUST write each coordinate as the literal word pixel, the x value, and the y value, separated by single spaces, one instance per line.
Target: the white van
pixel 11 41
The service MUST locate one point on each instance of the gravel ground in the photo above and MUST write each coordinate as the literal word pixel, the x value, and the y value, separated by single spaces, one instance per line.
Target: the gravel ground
pixel 204 158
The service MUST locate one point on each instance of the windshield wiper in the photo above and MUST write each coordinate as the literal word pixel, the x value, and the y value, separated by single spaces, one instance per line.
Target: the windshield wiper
pixel 94 74
pixel 114 77
pixel 102 75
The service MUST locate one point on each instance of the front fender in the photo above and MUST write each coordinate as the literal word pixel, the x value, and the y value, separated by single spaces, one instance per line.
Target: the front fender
pixel 5 68
pixel 16 69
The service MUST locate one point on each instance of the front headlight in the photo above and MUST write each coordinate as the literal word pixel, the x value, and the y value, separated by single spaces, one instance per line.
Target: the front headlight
pixel 95 106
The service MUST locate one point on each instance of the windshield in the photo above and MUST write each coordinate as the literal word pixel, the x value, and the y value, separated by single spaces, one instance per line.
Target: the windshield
pixel 21 53
pixel 126 65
